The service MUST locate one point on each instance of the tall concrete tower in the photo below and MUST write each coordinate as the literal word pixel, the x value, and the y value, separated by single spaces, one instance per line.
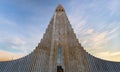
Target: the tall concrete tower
pixel 60 44
pixel 59 51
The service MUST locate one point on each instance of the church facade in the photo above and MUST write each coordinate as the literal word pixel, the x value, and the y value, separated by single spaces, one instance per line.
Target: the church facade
pixel 59 51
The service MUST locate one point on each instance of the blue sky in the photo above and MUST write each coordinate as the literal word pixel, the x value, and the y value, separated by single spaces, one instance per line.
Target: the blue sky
pixel 95 22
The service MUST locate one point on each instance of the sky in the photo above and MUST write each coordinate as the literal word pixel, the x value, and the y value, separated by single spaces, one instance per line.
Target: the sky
pixel 95 22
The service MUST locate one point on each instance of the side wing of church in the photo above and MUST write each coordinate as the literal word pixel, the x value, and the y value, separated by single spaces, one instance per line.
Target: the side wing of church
pixel 59 51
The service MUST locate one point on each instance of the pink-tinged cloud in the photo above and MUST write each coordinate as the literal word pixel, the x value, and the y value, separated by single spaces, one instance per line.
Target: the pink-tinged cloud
pixel 6 56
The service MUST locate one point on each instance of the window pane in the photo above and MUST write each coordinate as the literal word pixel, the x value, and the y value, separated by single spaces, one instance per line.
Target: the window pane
pixel 59 56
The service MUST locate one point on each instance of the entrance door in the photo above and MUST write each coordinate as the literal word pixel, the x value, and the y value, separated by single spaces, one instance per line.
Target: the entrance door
pixel 59 69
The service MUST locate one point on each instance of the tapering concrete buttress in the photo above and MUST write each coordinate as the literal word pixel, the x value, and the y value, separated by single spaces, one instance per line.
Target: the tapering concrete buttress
pixel 59 51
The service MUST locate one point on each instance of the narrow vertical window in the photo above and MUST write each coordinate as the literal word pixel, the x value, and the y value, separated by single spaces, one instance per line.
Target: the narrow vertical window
pixel 59 56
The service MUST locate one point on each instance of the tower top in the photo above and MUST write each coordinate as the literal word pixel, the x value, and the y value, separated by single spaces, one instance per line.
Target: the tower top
pixel 60 8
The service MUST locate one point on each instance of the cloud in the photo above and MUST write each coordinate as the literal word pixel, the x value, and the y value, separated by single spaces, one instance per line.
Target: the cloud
pixel 109 55
pixel 19 44
pixel 20 32
pixel 94 37
pixel 78 25
pixel 89 31
pixel 99 37
pixel 95 40
pixel 113 6
pixel 5 55
pixel 93 26
pixel 15 43
pixel 17 38
pixel 7 21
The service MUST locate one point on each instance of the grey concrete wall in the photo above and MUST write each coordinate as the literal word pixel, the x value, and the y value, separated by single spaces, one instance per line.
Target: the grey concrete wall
pixel 26 64
pixel 99 65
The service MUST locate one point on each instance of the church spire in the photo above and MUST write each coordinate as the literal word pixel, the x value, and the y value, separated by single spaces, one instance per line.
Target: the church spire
pixel 59 8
